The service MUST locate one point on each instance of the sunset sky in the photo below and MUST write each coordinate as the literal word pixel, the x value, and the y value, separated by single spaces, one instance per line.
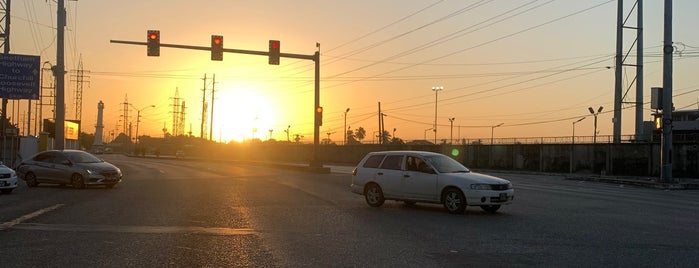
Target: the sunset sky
pixel 535 66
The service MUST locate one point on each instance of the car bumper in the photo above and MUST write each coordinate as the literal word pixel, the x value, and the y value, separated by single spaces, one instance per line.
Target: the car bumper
pixel 490 197
pixel 357 189
pixel 102 180
pixel 8 183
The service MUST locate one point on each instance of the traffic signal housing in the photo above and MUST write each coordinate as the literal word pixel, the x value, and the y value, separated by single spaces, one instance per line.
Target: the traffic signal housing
pixel 319 115
pixel 217 47
pixel 274 52
pixel 153 43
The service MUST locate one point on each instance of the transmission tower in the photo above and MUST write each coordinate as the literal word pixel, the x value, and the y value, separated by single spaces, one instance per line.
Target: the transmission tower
pixel 619 94
pixel 79 78
pixel 176 113
pixel 125 114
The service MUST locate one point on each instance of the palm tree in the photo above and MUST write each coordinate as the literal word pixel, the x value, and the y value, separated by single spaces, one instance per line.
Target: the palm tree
pixel 360 133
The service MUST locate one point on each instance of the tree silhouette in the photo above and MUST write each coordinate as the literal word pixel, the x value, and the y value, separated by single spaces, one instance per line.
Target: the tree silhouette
pixel 360 134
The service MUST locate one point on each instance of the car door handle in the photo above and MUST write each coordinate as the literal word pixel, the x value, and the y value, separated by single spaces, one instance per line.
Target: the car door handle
pixel 406 176
pixel 380 173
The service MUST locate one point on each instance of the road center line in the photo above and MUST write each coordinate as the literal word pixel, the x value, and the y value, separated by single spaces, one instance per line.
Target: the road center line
pixel 26 217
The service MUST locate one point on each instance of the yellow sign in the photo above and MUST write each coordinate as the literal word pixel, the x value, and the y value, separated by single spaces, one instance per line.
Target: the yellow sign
pixel 72 130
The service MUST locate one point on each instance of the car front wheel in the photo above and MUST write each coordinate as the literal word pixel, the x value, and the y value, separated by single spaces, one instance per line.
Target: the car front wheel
pixel 77 181
pixel 30 178
pixel 374 195
pixel 454 201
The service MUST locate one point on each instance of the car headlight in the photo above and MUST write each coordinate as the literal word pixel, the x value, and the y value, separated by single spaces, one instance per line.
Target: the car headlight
pixel 480 186
pixel 90 171
pixel 509 186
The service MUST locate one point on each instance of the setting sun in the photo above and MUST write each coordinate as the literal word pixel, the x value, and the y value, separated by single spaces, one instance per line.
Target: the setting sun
pixel 243 114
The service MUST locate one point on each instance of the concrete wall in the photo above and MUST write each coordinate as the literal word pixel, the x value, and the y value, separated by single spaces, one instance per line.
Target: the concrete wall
pixel 628 159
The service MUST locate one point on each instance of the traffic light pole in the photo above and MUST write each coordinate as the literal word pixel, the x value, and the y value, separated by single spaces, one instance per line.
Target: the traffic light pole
pixel 315 161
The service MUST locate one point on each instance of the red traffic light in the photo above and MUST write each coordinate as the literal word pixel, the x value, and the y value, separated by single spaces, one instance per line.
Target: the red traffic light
pixel 217 47
pixel 153 43
pixel 319 109
pixel 274 53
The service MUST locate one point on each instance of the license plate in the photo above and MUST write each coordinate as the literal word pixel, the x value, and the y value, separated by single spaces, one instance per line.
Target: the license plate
pixel 503 197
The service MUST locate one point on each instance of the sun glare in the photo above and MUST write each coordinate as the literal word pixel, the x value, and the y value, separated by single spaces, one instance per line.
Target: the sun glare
pixel 242 115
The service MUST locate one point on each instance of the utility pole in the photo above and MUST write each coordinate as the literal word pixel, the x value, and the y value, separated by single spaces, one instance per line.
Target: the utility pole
pixel 203 109
pixel 380 124
pixel 666 145
pixel 6 44
pixel 211 119
pixel 59 73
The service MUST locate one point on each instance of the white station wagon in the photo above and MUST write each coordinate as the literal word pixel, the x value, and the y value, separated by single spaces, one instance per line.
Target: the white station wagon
pixel 415 176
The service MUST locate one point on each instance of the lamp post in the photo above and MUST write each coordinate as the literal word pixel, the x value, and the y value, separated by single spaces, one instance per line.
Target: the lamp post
pixel 592 111
pixel 287 133
pixel 434 128
pixel 344 135
pixel 581 119
pixel 451 130
pixel 425 136
pixel 492 130
pixel 572 145
pixel 138 119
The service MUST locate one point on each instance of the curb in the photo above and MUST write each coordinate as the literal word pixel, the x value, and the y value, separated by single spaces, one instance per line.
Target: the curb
pixel 642 182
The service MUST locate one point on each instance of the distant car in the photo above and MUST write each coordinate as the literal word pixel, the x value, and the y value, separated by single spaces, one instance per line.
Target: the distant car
pixel 8 179
pixel 74 167
pixel 416 176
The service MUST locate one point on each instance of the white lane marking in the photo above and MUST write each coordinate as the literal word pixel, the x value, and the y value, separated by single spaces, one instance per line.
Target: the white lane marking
pixel 26 217
pixel 137 229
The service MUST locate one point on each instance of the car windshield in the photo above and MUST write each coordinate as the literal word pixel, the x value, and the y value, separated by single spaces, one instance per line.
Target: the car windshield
pixel 82 157
pixel 445 164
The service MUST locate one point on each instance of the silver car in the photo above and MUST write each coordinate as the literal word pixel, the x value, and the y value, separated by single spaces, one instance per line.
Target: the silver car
pixel 8 179
pixel 415 176
pixel 74 167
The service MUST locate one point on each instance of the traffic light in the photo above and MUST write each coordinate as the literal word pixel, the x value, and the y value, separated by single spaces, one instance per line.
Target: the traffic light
pixel 216 47
pixel 319 115
pixel 274 52
pixel 153 42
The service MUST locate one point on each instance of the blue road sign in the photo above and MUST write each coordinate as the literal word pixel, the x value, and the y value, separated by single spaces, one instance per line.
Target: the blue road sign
pixel 19 76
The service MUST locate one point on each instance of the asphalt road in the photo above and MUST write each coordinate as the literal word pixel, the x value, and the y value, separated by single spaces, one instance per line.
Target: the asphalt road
pixel 174 213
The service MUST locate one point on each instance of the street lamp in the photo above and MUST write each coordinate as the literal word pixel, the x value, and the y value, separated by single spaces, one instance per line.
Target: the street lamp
pixel 581 119
pixel 436 90
pixel 425 136
pixel 492 129
pixel 138 118
pixel 344 135
pixel 592 111
pixel 572 146
pixel 451 130
pixel 287 133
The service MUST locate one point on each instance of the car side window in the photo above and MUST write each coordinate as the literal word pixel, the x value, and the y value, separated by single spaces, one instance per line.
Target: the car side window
pixel 415 164
pixel 392 162
pixel 373 161
pixel 58 159
pixel 43 158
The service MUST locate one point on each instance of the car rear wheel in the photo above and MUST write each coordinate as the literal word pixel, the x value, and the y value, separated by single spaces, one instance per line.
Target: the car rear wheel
pixel 77 181
pixel 454 201
pixel 374 195
pixel 490 208
pixel 30 178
